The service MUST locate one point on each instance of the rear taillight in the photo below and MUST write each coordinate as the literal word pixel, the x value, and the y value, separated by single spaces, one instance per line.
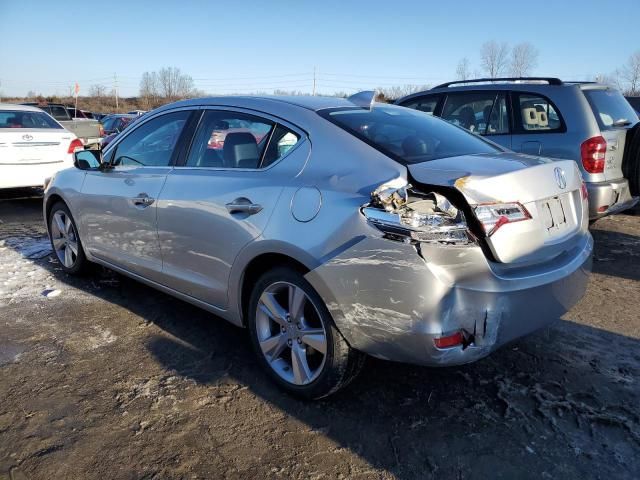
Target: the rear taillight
pixel 494 215
pixel 593 153
pixel 75 145
pixel 449 341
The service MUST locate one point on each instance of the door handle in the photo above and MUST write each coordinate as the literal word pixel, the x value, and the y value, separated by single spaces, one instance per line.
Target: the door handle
pixel 143 200
pixel 243 205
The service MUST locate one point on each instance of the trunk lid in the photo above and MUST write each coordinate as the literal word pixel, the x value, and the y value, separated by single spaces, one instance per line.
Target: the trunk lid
pixel 21 146
pixel 549 190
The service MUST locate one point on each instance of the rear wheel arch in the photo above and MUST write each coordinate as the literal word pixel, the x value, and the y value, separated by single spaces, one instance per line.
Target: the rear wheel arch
pixel 256 268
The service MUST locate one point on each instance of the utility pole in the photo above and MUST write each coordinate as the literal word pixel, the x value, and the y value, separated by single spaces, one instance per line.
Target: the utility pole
pixel 313 92
pixel 115 88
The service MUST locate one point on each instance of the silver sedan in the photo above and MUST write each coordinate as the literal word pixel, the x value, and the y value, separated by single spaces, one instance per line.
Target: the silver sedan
pixel 331 229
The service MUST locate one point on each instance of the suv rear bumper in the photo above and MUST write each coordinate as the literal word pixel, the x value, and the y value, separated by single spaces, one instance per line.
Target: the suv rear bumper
pixel 606 198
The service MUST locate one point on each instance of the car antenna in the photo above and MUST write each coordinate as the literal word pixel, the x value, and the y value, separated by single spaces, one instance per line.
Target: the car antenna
pixel 364 99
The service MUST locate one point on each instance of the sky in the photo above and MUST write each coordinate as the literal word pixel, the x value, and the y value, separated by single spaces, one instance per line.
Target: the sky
pixel 248 46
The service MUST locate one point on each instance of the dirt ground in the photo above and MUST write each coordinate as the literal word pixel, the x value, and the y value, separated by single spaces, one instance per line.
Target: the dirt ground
pixel 102 377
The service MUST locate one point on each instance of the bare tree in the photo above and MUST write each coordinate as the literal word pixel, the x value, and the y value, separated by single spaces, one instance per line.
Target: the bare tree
pixel 173 84
pixel 524 58
pixel 149 89
pixel 396 92
pixel 494 58
pixel 97 91
pixel 463 71
pixel 631 74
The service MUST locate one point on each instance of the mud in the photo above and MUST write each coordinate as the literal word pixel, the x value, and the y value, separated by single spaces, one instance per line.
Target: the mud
pixel 110 379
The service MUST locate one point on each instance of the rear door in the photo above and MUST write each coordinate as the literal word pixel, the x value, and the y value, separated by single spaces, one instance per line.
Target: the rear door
pixel 222 196
pixel 481 112
pixel 119 206
pixel 538 126
pixel 615 116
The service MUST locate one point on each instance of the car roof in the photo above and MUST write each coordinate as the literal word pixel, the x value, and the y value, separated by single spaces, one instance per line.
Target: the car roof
pixel 308 102
pixel 24 108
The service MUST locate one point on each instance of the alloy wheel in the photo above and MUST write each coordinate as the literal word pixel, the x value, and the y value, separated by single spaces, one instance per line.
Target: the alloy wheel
pixel 291 333
pixel 64 238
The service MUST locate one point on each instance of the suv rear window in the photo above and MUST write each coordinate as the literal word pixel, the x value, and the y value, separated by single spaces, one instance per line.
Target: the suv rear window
pixel 22 119
pixel 407 135
pixel 611 109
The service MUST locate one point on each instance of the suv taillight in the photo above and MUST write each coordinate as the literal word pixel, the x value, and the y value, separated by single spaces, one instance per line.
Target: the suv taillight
pixel 593 152
pixel 75 145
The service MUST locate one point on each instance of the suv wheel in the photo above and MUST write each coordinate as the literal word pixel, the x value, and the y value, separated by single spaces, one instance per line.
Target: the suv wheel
pixel 295 338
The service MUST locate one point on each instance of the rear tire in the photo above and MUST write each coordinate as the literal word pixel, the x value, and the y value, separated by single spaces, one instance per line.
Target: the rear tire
pixel 295 339
pixel 65 240
pixel 631 160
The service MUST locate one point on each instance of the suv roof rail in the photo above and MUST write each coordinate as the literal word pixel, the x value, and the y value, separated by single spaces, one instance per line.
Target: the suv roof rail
pixel 549 80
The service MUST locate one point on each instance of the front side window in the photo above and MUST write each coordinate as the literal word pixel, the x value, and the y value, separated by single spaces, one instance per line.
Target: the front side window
pixel 484 113
pixel 425 104
pixel 538 114
pixel 407 135
pixel 237 140
pixel 153 142
pixel 21 119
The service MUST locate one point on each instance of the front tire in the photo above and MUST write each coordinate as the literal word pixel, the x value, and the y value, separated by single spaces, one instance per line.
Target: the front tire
pixel 65 240
pixel 295 339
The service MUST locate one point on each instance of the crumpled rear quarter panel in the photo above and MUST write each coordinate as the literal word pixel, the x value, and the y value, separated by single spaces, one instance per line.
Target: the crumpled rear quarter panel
pixel 390 301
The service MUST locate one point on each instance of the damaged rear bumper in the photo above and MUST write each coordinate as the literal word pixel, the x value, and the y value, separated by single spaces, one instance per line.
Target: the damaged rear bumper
pixel 391 299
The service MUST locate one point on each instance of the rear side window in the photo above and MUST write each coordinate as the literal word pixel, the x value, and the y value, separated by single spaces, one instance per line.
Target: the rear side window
pixel 611 108
pixel 538 114
pixel 21 119
pixel 57 112
pixel 480 112
pixel 237 140
pixel 425 104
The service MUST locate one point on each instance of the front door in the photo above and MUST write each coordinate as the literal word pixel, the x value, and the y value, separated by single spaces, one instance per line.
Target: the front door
pixel 119 204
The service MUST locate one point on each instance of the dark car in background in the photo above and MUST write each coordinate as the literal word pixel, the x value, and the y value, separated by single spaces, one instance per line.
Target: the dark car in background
pixel 590 123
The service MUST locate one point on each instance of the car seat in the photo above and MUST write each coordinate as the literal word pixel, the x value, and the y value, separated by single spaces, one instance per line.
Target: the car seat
pixel 240 150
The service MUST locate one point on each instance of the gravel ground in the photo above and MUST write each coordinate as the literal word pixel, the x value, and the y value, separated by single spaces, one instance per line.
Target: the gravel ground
pixel 102 377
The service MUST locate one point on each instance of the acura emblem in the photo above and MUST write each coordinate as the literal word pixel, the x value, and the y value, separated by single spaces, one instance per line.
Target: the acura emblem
pixel 561 180
pixel 27 137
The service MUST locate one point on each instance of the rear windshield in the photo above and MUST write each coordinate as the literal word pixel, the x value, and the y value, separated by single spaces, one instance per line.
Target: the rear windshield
pixel 611 109
pixel 20 119
pixel 407 135
pixel 57 112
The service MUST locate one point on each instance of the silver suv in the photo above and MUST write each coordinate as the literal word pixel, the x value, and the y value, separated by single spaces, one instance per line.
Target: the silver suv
pixel 588 122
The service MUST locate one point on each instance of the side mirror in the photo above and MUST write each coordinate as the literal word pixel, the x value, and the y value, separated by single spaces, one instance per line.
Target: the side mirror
pixel 87 159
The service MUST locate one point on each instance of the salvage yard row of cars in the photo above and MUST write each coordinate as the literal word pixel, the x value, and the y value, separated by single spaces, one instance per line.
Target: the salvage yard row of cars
pixel 334 228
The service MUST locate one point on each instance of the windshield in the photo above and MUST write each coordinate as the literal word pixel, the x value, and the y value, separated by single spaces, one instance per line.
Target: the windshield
pixel 408 136
pixel 611 108
pixel 22 119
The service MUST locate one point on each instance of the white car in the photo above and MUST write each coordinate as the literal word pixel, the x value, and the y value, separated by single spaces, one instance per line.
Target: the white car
pixel 33 146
